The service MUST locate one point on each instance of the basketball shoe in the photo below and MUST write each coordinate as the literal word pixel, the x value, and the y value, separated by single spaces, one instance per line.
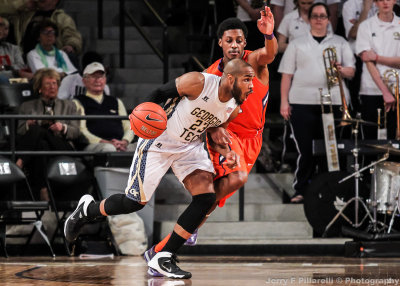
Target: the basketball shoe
pixel 192 240
pixel 148 255
pixel 164 262
pixel 77 219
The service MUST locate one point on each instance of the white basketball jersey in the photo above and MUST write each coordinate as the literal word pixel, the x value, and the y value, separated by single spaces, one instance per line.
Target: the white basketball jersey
pixel 190 118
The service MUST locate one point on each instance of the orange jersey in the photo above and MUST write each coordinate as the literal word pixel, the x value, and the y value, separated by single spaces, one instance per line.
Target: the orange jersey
pixel 251 120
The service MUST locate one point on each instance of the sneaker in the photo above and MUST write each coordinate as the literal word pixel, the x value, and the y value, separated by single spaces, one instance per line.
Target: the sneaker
pixel 148 255
pixel 192 240
pixel 77 219
pixel 165 263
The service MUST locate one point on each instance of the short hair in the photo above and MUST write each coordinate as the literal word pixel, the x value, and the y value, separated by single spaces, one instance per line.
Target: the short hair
pixel 41 26
pixel 42 73
pixel 318 4
pixel 4 22
pixel 231 24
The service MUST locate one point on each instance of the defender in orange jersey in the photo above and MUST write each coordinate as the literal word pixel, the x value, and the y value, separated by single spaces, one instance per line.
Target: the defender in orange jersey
pixel 244 133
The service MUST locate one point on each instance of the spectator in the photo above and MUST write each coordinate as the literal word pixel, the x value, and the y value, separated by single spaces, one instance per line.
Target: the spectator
pixel 72 84
pixel 354 12
pixel 303 73
pixel 294 24
pixel 11 62
pixel 280 8
pixel 44 135
pixel 46 54
pixel 104 135
pixel 378 45
pixel 25 15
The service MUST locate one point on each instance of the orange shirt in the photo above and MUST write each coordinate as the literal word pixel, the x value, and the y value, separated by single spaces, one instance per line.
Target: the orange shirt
pixel 250 121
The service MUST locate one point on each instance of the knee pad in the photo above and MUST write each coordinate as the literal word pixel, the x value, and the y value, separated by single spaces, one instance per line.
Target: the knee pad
pixel 196 211
pixel 121 204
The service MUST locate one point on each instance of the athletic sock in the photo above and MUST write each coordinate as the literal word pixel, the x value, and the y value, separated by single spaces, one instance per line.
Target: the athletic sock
pixel 113 205
pixel 174 243
pixel 162 243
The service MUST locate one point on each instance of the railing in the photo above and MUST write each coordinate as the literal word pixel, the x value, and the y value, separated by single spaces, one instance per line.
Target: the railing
pixel 13 152
pixel 163 56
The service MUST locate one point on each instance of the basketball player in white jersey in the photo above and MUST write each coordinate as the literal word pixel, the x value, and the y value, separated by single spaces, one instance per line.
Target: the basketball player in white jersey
pixel 194 102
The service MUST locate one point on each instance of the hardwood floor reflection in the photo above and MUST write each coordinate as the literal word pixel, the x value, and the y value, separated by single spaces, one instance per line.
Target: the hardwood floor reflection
pixel 206 270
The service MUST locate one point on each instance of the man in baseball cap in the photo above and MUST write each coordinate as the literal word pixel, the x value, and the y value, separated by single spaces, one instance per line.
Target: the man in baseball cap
pixel 104 135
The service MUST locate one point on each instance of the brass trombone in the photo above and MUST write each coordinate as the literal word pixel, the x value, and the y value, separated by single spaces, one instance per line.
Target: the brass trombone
pixel 394 88
pixel 333 78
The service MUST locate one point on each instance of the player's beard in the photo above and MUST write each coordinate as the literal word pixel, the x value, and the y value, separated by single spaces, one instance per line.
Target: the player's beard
pixel 237 93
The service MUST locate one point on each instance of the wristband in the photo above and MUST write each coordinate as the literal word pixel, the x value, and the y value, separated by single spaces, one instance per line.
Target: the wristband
pixel 269 37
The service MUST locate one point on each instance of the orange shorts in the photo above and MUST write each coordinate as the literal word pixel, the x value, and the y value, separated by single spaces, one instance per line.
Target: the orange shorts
pixel 247 148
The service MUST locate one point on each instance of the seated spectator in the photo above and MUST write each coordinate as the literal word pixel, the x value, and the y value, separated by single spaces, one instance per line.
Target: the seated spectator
pixel 43 135
pixel 104 135
pixel 46 55
pixel 11 62
pixel 72 84
pixel 25 15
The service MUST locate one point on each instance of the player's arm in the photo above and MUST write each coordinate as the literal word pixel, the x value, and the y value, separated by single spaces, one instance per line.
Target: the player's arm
pixel 232 159
pixel 219 134
pixel 266 54
pixel 189 84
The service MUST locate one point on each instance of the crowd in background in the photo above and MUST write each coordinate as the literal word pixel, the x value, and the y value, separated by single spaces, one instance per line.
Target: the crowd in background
pixel 41 44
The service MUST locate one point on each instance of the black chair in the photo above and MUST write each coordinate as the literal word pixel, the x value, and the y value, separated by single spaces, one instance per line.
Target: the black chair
pixel 11 210
pixel 67 180
pixel 13 95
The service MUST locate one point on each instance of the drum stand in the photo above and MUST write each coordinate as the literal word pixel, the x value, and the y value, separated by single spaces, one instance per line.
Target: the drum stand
pixel 356 198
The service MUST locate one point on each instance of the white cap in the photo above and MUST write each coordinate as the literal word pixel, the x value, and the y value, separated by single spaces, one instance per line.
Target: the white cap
pixel 93 67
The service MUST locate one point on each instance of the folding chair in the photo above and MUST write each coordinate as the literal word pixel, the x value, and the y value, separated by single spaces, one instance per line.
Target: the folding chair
pixel 67 180
pixel 11 210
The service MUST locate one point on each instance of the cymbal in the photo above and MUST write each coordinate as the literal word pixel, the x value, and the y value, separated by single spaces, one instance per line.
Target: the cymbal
pixel 359 121
pixel 385 148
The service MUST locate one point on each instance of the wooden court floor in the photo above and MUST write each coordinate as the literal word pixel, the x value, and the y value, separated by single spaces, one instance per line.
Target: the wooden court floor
pixel 206 270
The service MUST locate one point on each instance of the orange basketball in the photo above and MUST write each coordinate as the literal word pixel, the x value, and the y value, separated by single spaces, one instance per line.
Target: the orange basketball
pixel 148 120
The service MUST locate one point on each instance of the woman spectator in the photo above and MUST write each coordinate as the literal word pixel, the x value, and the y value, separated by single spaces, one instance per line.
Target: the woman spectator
pixel 46 54
pixel 303 73
pixel 43 135
pixel 294 24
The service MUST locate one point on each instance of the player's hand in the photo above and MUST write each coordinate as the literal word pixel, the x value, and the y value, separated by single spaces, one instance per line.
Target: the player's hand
pixel 232 160
pixel 220 135
pixel 266 23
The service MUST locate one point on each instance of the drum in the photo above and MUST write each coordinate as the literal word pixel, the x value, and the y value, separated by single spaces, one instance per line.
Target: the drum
pixel 387 176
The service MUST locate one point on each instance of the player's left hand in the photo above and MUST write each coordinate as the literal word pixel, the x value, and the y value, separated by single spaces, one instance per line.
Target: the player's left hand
pixel 266 23
pixel 220 135
pixel 232 160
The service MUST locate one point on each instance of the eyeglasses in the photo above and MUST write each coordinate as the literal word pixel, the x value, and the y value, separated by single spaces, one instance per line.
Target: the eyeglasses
pixel 322 17
pixel 48 32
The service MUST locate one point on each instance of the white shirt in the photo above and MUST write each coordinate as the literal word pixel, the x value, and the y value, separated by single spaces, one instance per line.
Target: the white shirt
pixel 35 62
pixel 384 39
pixel 303 59
pixel 289 5
pixel 293 26
pixel 72 85
pixel 242 15
pixel 191 118
pixel 351 11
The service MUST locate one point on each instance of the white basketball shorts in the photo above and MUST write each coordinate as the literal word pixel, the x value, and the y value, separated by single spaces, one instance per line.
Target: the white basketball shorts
pixel 153 158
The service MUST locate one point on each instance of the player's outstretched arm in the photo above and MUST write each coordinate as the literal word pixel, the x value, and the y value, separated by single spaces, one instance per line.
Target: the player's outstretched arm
pixel 266 54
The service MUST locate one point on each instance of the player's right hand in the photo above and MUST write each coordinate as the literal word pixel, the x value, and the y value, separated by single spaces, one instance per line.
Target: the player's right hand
pixel 232 160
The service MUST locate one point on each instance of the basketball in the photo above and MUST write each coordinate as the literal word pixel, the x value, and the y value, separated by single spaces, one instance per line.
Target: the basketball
pixel 148 120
